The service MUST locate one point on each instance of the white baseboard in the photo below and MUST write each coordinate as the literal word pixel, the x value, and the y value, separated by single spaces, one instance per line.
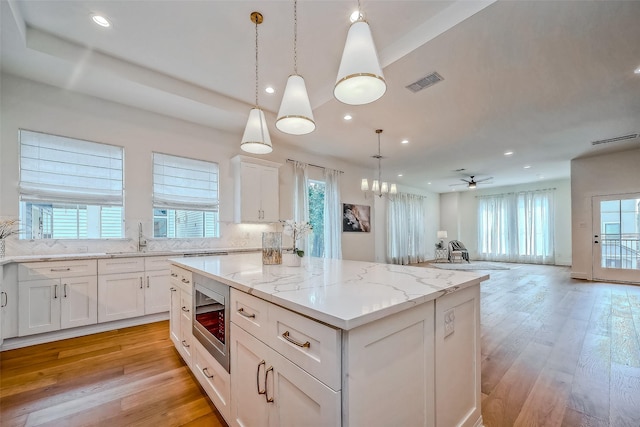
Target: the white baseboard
pixel 19 342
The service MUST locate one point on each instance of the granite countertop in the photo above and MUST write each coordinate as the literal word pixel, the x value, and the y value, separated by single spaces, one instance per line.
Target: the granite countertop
pixel 102 255
pixel 343 294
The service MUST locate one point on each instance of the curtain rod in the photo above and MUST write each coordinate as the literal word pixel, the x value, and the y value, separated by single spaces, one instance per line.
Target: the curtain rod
pixel 517 192
pixel 311 164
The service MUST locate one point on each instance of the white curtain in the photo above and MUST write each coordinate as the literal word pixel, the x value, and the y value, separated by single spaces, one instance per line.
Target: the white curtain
pixel 406 229
pixel 332 215
pixel 517 227
pixel 301 198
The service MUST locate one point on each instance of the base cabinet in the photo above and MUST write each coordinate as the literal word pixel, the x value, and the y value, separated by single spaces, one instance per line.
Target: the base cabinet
pixel 213 377
pixel 269 390
pixel 120 296
pixel 180 313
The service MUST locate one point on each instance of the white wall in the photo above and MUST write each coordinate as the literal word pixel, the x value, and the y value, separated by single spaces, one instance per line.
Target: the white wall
pixel 617 173
pixel 459 215
pixel 29 105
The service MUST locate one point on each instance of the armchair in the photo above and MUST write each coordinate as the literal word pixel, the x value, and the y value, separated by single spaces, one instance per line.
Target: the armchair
pixel 458 251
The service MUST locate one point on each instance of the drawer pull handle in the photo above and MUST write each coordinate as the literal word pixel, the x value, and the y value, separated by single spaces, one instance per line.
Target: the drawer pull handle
pixel 184 344
pixel 292 341
pixel 61 269
pixel 266 394
pixel 241 312
pixel 174 275
pixel 206 373
pixel 185 280
pixel 262 363
pixel 172 289
pixel 185 309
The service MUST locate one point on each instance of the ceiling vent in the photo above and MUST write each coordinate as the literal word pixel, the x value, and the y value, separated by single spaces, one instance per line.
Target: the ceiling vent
pixel 425 82
pixel 616 139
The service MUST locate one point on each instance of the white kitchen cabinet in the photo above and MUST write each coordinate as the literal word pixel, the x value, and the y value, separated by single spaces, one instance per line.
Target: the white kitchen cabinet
pixel 120 296
pixel 270 390
pixel 8 301
pixel 180 312
pixel 157 284
pixel 55 295
pixel 213 377
pixel 257 190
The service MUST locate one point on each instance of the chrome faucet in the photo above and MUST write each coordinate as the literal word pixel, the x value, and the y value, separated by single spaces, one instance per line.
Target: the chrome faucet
pixel 142 242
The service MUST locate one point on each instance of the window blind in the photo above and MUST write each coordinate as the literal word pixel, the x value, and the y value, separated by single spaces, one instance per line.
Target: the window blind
pixel 181 183
pixel 66 170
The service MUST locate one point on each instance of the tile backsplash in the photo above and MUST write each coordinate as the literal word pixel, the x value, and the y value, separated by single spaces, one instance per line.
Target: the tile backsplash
pixel 232 236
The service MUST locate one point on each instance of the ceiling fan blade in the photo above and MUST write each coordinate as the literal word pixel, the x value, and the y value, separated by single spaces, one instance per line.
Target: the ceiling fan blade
pixel 455 185
pixel 462 179
pixel 484 179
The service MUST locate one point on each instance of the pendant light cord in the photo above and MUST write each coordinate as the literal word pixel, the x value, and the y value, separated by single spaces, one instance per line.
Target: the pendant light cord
pixel 256 63
pixel 295 36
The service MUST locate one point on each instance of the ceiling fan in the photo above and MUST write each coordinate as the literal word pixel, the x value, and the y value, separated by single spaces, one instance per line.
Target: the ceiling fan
pixel 472 183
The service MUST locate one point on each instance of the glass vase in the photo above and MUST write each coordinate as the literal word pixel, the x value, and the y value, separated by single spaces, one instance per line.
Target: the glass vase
pixel 2 248
pixel 271 248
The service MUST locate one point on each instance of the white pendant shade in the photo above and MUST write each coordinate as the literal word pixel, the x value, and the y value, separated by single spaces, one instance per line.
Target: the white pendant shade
pixel 364 185
pixel 256 139
pixel 295 116
pixel 385 188
pixel 360 79
pixel 394 189
pixel 375 187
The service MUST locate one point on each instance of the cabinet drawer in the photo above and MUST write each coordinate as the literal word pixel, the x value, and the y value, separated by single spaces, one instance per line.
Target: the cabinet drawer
pixel 311 345
pixel 56 269
pixel 120 265
pixel 250 313
pixel 185 307
pixel 213 378
pixel 181 278
pixel 153 263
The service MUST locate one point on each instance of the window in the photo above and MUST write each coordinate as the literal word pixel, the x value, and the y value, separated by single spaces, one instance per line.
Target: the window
pixel 185 197
pixel 517 227
pixel 69 188
pixel 316 216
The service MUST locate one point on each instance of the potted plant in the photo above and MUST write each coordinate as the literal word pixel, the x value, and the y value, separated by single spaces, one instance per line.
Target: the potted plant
pixel 297 231
pixel 8 227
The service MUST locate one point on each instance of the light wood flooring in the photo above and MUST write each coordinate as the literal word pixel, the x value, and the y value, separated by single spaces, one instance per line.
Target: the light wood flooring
pixel 555 352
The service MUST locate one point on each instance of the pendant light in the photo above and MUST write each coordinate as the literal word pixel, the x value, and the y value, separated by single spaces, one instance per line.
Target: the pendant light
pixel 360 79
pixel 256 139
pixel 295 116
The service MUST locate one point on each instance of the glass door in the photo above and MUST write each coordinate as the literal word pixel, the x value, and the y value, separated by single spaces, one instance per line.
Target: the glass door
pixel 616 238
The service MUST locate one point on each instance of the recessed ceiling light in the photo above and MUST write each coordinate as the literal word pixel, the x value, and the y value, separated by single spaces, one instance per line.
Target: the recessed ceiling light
pixel 101 20
pixel 405 141
pixel 355 16
pixel 508 153
pixel 527 166
pixel 399 175
pixel 637 70
pixel 347 117
pixel 428 183
pixel 269 89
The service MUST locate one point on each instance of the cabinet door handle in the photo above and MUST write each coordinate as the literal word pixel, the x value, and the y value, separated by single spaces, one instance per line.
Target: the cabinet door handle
pixel 185 309
pixel 172 289
pixel 206 373
pixel 243 313
pixel 147 281
pixel 61 269
pixel 65 290
pixel 184 344
pixel 262 363
pixel 294 342
pixel 5 297
pixel 55 291
pixel 140 282
pixel 185 280
pixel 266 385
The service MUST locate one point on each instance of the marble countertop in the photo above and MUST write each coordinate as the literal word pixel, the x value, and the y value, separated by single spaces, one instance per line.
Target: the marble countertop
pixel 101 255
pixel 343 294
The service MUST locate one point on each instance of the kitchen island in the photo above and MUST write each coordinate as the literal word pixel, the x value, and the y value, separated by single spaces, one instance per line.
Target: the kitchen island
pixel 347 343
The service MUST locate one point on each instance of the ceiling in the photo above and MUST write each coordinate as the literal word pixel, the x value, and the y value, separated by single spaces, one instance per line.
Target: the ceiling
pixel 543 79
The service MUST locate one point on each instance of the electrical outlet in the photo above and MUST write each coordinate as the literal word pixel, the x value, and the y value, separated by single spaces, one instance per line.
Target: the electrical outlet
pixel 449 322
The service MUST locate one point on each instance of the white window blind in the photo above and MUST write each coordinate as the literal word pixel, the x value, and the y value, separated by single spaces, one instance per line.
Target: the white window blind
pixel 66 170
pixel 181 183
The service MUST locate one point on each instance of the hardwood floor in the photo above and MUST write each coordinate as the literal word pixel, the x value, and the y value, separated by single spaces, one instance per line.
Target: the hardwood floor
pixel 555 352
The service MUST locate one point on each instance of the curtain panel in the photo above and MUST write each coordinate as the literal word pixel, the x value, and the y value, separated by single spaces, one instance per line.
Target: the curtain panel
pixel 517 227
pixel 332 215
pixel 301 199
pixel 406 229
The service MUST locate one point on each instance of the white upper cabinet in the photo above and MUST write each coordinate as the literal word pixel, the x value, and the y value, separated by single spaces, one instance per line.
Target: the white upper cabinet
pixel 256 190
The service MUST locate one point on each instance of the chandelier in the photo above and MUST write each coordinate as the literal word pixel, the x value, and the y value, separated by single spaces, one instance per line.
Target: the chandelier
pixel 378 187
